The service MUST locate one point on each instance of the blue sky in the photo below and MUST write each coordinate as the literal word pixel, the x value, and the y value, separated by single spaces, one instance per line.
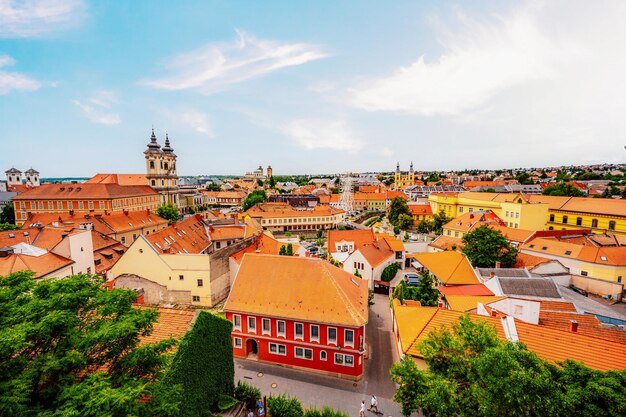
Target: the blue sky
pixel 311 87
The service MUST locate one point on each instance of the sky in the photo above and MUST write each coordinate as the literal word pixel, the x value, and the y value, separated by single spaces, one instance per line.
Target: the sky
pixel 311 87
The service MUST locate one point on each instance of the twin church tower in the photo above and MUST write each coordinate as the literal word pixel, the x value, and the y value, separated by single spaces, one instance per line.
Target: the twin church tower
pixel 161 170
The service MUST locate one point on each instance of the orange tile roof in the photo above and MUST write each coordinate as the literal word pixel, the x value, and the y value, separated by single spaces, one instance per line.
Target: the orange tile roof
pixel 450 267
pixel 132 220
pixel 172 322
pixel 476 289
pixel 527 261
pixel 359 237
pixel 394 243
pixel 276 210
pixel 186 236
pixel 447 243
pixel 121 179
pixel 67 220
pixel 377 252
pixel 420 209
pixel 41 265
pixel 470 302
pixel 393 194
pixel 511 234
pixel 604 206
pixel 265 244
pixel 20 188
pixel 298 288
pixel 82 191
pixel 469 221
pixel 581 248
pixel 554 345
pixel 369 196
pixel 18 236
pixel 108 256
pixel 472 184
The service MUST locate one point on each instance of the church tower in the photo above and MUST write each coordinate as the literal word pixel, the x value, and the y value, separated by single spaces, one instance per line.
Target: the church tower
pixel 32 177
pixel 411 175
pixel 396 177
pixel 161 170
pixel 269 172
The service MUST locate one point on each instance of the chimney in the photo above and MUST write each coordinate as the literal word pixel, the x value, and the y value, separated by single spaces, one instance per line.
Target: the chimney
pixel 440 304
pixel 573 326
pixel 236 218
pixel 492 274
pixel 126 212
pixel 498 264
pixel 148 211
pixel 494 312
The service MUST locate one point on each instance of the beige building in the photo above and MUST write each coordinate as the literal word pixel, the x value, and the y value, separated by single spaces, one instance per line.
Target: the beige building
pixel 282 217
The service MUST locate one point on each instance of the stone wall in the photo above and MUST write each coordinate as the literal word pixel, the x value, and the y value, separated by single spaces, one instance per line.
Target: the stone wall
pixel 220 270
pixel 154 293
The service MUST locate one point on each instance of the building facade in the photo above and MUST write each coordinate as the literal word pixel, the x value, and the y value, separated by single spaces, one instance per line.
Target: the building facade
pixel 401 180
pixel 282 217
pixel 161 170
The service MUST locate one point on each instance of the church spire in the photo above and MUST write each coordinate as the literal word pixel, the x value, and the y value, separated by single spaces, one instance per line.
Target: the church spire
pixel 411 169
pixel 398 167
pixel 153 146
pixel 167 148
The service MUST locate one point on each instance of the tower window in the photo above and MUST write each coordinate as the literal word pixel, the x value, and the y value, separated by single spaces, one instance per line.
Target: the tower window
pixel 151 164
pixel 166 165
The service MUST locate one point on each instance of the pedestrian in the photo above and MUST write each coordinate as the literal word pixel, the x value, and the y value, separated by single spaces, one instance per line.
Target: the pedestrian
pixel 250 413
pixel 362 412
pixel 261 411
pixel 373 404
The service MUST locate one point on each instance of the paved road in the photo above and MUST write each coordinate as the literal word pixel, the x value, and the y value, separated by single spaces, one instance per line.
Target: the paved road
pixel 319 390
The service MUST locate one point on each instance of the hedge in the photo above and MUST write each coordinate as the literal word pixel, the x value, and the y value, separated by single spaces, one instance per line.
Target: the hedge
pixel 389 272
pixel 203 365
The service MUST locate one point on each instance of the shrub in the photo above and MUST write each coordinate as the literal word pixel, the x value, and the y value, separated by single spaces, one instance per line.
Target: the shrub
pixel 324 412
pixel 226 402
pixel 284 406
pixel 203 364
pixel 389 272
pixel 244 392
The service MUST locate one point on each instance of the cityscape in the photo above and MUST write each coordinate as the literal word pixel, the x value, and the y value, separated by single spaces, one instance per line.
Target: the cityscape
pixel 303 222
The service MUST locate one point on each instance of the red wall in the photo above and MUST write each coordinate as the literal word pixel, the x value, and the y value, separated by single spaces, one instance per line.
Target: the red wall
pixel 289 341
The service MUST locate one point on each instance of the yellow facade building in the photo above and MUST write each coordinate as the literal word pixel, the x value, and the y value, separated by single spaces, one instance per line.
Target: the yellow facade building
pixel 401 180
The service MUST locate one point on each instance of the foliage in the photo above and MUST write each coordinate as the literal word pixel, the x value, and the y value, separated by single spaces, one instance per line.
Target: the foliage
pixel 8 226
pixel 471 372
pixel 371 221
pixel 438 221
pixel 357 273
pixel 168 212
pixel 7 214
pixel 334 190
pixel 488 190
pixel 286 250
pixel 57 335
pixel 524 178
pixel 485 246
pixel 255 197
pixel 563 189
pixel 370 298
pixel 288 234
pixel 425 291
pixel 320 233
pixel 301 238
pixel 406 236
pixel 389 272
pixel 247 393
pixel 213 187
pixel 341 227
pixel 284 406
pixel 226 402
pixel 397 207
pixel 424 226
pixel 259 182
pixel 335 262
pixel 204 365
pixel 404 221
pixel 324 412
pixel 396 230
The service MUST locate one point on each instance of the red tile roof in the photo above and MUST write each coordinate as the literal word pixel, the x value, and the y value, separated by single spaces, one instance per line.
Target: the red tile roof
pixel 476 289
pixel 82 191
pixel 359 237
pixel 121 179
pixel 41 265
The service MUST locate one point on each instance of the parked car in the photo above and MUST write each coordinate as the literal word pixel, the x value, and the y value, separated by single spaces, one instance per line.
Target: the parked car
pixel 411 279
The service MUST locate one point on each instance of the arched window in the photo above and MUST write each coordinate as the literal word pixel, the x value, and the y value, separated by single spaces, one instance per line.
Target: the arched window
pixel 152 165
pixel 612 225
pixel 594 223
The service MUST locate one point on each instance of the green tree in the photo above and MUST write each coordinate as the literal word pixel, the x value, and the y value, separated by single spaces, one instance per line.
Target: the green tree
pixel 424 226
pixel 259 182
pixel 254 198
pixel 485 246
pixel 213 187
pixel 438 221
pixel 563 189
pixel 405 221
pixel 389 272
pixel 168 212
pixel 523 177
pixel 68 347
pixel 282 251
pixel 397 207
pixel 289 250
pixel 7 214
pixel 426 292
pixel 357 273
pixel 8 226
pixel 271 183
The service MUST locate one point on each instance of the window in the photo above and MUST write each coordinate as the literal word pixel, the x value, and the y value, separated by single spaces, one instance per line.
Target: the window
pixel 619 279
pixel 237 342
pixel 507 214
pixel 303 353
pixel 315 333
pixel 594 223
pixel 564 219
pixel 348 338
pixel 584 273
pixel 471 210
pixel 456 234
pixel 552 217
pixel 323 355
pixel 123 240
pixel 280 328
pixel 181 277
pixel 277 349
pixel 460 209
pixel 612 225
pixel 332 335
pixel 568 252
pixel 236 322
pixel 266 326
pixel 579 221
pixel 200 283
pixel 345 360
pixel 195 298
pixel 517 215
pixel 252 324
pixel 299 330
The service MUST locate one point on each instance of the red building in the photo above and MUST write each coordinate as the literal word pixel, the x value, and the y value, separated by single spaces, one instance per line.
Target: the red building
pixel 299 312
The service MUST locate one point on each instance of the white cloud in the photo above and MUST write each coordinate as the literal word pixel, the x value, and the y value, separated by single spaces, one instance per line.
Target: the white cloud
pixel 97 108
pixel 320 134
pixel 219 65
pixel 198 121
pixel 33 18
pixel 14 80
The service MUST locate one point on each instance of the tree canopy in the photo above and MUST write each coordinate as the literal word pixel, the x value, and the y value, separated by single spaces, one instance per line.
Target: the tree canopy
pixel 405 221
pixel 563 189
pixel 485 246
pixel 398 207
pixel 254 198
pixel 7 215
pixel 213 187
pixel 425 291
pixel 70 348
pixel 168 212
pixel 438 221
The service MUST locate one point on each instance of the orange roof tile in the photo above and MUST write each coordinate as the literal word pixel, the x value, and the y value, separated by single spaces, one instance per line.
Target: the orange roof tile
pixel 394 243
pixel 527 261
pixel 81 191
pixel 121 179
pixel 377 252
pixel 264 244
pixel 359 237
pixel 420 209
pixel 67 220
pixel 172 322
pixel 581 248
pixel 447 243
pixel 450 267
pixel 132 220
pixel 476 289
pixel 186 236
pixel 41 265
pixel 470 302
pixel 511 234
pixel 275 210
pixel 298 288
pixel 468 221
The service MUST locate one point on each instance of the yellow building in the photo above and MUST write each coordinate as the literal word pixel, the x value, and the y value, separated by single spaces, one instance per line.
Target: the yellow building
pixel 538 212
pixel 282 217
pixel 401 180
